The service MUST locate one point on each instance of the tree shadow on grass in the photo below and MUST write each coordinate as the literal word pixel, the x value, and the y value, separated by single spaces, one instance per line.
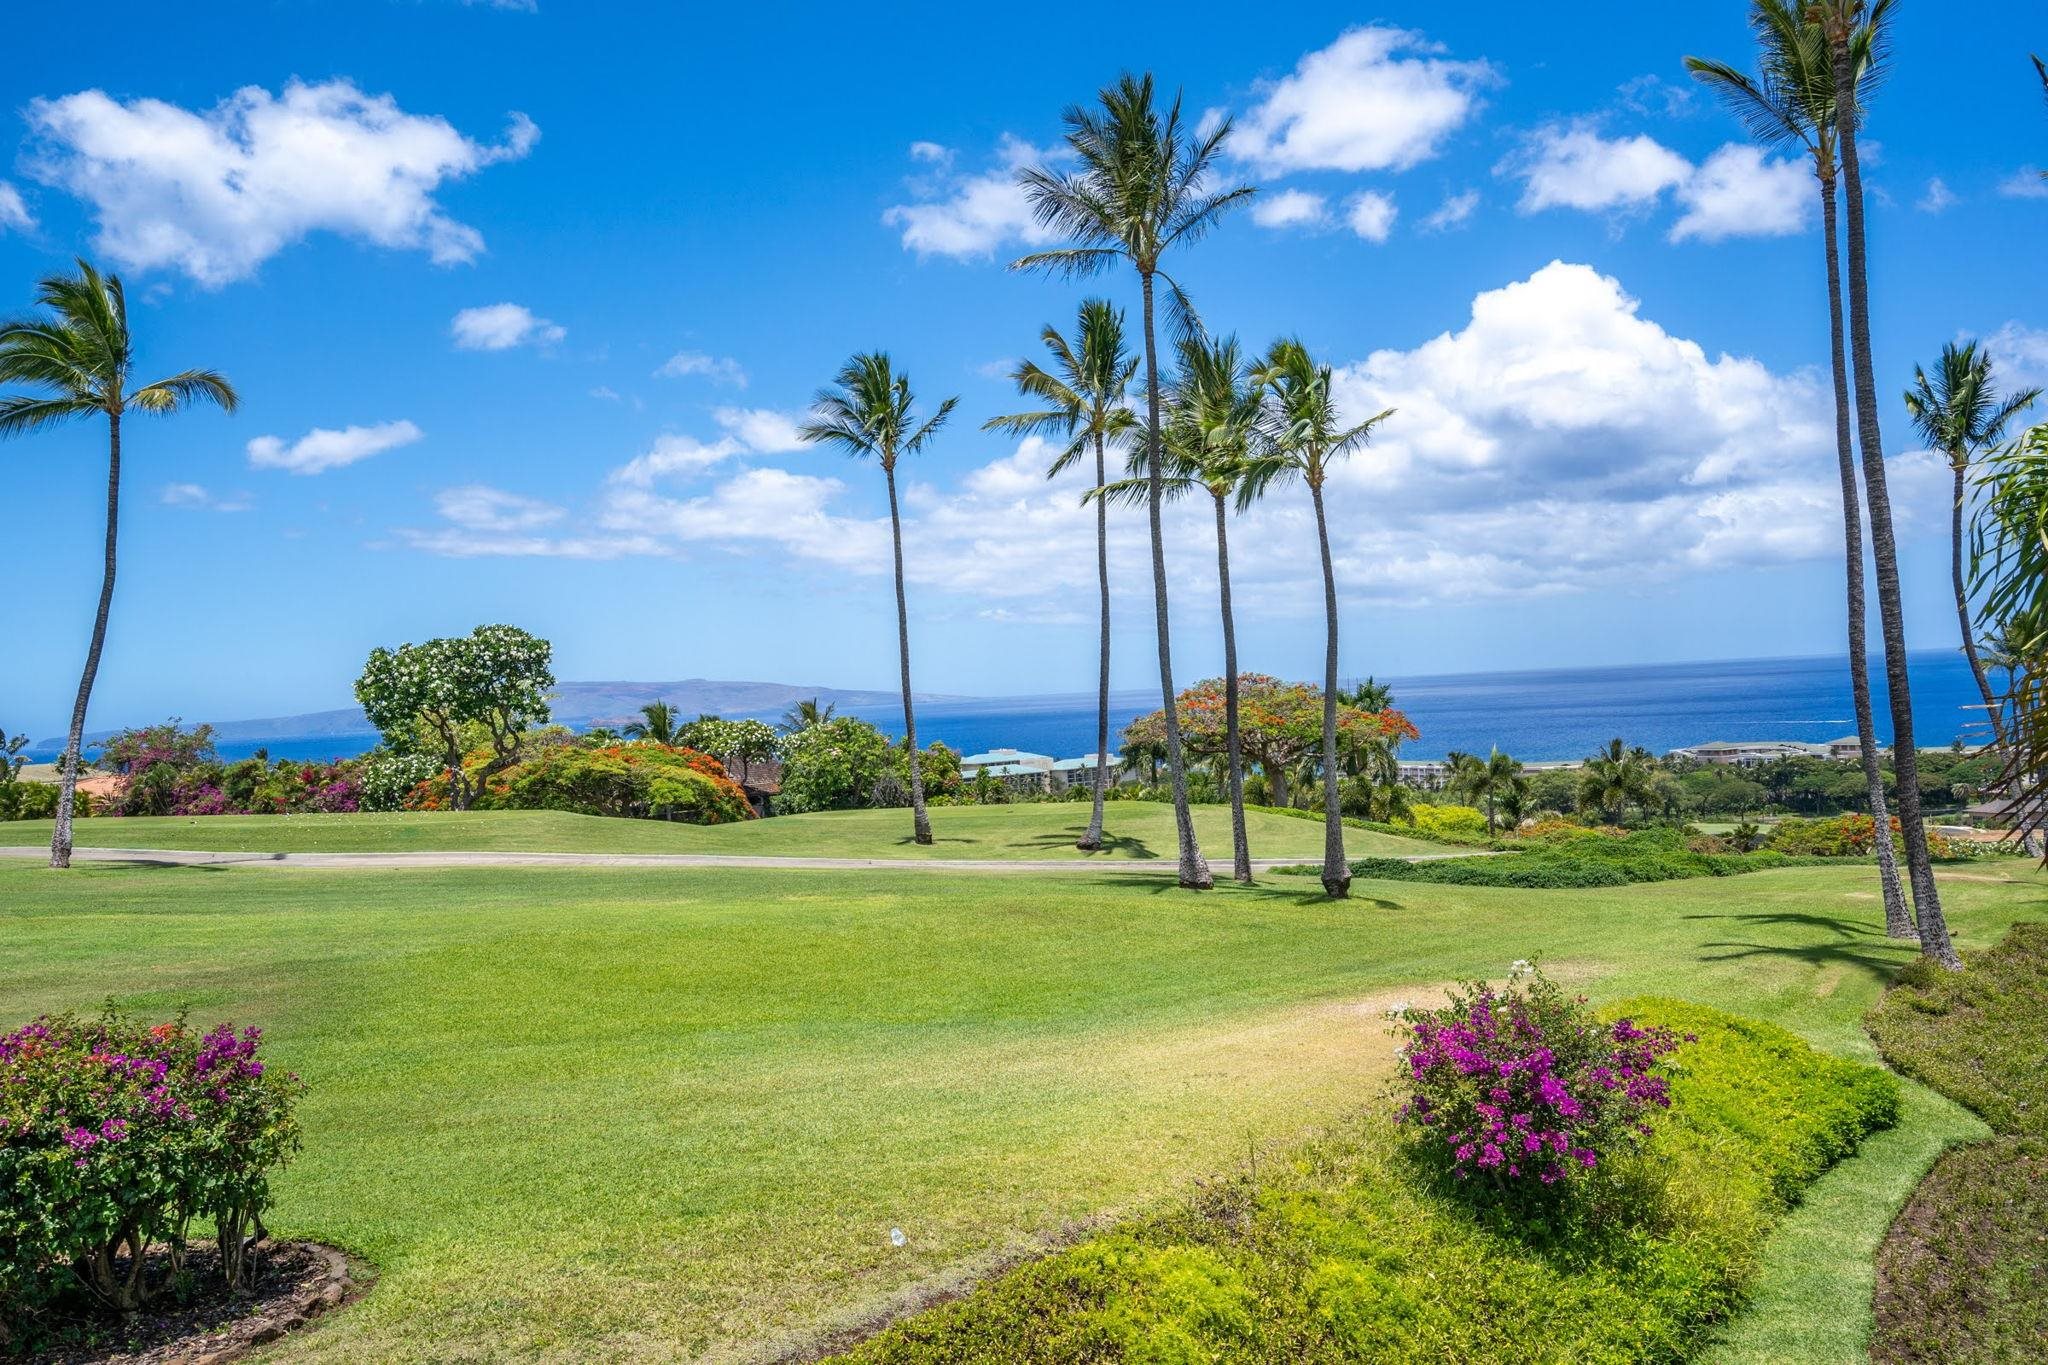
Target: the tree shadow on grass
pixel 1271 896
pixel 1855 942
pixel 1113 845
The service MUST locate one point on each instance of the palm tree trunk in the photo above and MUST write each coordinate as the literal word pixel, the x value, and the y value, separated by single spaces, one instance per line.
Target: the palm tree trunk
pixel 921 824
pixel 1898 917
pixel 74 743
pixel 1194 869
pixel 1955 571
pixel 1092 840
pixel 1934 939
pixel 1336 871
pixel 1240 848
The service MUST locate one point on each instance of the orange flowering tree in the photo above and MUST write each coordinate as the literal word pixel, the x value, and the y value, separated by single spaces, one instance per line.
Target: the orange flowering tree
pixel 1280 724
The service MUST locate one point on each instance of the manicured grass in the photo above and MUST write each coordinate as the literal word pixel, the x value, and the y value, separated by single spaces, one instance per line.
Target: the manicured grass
pixel 1963 1275
pixel 1135 829
pixel 640 1114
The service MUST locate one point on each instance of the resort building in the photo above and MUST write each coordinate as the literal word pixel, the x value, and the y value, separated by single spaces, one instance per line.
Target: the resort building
pixel 1430 774
pixel 1748 752
pixel 1080 771
pixel 1005 763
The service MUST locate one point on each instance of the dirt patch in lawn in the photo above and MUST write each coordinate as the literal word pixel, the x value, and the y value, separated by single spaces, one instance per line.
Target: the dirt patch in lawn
pixel 294 1284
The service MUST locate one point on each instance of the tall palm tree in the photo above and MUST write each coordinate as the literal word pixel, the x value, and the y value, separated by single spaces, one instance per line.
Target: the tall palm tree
pixel 1308 439
pixel 1213 417
pixel 1791 101
pixel 802 715
pixel 1144 186
pixel 2010 567
pixel 1960 414
pixel 658 723
pixel 869 411
pixel 1855 35
pixel 1085 402
pixel 78 354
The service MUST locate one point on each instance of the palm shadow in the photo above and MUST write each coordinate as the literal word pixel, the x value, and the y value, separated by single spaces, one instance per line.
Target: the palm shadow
pixel 1113 845
pixel 1855 943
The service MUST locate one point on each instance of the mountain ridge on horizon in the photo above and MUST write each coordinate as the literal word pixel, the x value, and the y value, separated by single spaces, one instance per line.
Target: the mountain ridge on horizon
pixel 601 702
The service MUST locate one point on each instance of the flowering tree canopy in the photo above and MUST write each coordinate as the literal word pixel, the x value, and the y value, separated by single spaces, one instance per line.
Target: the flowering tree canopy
pixel 738 744
pixel 495 679
pixel 1279 724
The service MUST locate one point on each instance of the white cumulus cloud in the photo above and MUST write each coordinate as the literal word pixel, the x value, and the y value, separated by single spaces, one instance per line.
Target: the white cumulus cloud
pixel 501 326
pixel 1290 209
pixel 1736 192
pixel 216 193
pixel 970 216
pixel 1376 99
pixel 322 449
pixel 1371 214
pixel 1573 166
pixel 762 430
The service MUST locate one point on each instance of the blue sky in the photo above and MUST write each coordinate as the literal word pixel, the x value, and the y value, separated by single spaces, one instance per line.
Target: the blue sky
pixel 522 299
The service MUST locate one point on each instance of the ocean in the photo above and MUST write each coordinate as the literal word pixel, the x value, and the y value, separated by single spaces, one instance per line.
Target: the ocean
pixel 1538 715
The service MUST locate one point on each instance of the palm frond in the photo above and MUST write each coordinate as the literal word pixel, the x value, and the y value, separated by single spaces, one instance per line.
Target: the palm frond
pixel 184 389
pixel 22 414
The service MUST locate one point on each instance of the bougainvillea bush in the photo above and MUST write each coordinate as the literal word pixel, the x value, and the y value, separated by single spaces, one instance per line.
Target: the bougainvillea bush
pixel 1520 1088
pixel 115 1137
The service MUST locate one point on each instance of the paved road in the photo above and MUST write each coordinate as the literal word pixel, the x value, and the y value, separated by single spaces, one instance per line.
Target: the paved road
pixel 174 857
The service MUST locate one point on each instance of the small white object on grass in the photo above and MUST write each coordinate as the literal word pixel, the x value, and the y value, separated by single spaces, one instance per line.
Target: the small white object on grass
pixel 896 1237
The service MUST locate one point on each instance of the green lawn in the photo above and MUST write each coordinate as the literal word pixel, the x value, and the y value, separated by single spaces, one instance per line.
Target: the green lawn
pixel 1135 829
pixel 633 1114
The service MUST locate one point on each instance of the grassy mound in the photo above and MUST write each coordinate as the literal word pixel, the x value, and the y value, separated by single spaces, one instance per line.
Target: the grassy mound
pixel 1963 1275
pixel 1346 1251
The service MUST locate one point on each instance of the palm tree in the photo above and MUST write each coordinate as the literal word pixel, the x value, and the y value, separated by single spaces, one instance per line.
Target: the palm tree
pixel 1960 414
pixel 1308 439
pixel 1614 777
pixel 1488 781
pixel 1371 695
pixel 1085 403
pixel 1792 101
pixel 805 713
pixel 1144 187
pixel 869 410
pixel 79 354
pixel 1855 35
pixel 2010 566
pixel 658 724
pixel 1213 413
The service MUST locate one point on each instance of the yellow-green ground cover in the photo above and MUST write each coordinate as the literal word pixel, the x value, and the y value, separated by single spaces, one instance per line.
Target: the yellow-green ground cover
pixel 619 1113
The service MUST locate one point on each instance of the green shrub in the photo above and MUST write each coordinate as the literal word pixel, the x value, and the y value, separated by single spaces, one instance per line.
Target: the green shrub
pixel 646 781
pixel 1452 821
pixel 1963 1276
pixel 1346 1250
pixel 1977 1036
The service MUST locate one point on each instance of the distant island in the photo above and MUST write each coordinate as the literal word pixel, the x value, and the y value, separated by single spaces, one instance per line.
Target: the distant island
pixel 578 704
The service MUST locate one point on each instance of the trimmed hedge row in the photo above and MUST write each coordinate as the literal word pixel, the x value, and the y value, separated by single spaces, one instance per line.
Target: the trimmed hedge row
pixel 1348 1250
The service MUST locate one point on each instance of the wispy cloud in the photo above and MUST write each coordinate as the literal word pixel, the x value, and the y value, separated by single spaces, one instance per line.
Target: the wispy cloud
pixel 501 326
pixel 697 364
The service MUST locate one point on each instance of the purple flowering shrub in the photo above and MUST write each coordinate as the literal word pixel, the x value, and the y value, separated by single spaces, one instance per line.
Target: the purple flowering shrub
pixel 1522 1090
pixel 114 1138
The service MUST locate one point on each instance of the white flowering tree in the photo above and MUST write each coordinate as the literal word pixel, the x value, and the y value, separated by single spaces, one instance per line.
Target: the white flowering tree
pixel 738 744
pixel 438 696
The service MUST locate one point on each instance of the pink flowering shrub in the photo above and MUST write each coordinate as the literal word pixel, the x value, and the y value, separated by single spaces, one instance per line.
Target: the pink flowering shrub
pixel 114 1137
pixel 1522 1090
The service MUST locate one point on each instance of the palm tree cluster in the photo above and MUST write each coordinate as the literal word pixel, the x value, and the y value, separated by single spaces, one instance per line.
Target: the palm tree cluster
pixel 1223 423
pixel 1819 62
